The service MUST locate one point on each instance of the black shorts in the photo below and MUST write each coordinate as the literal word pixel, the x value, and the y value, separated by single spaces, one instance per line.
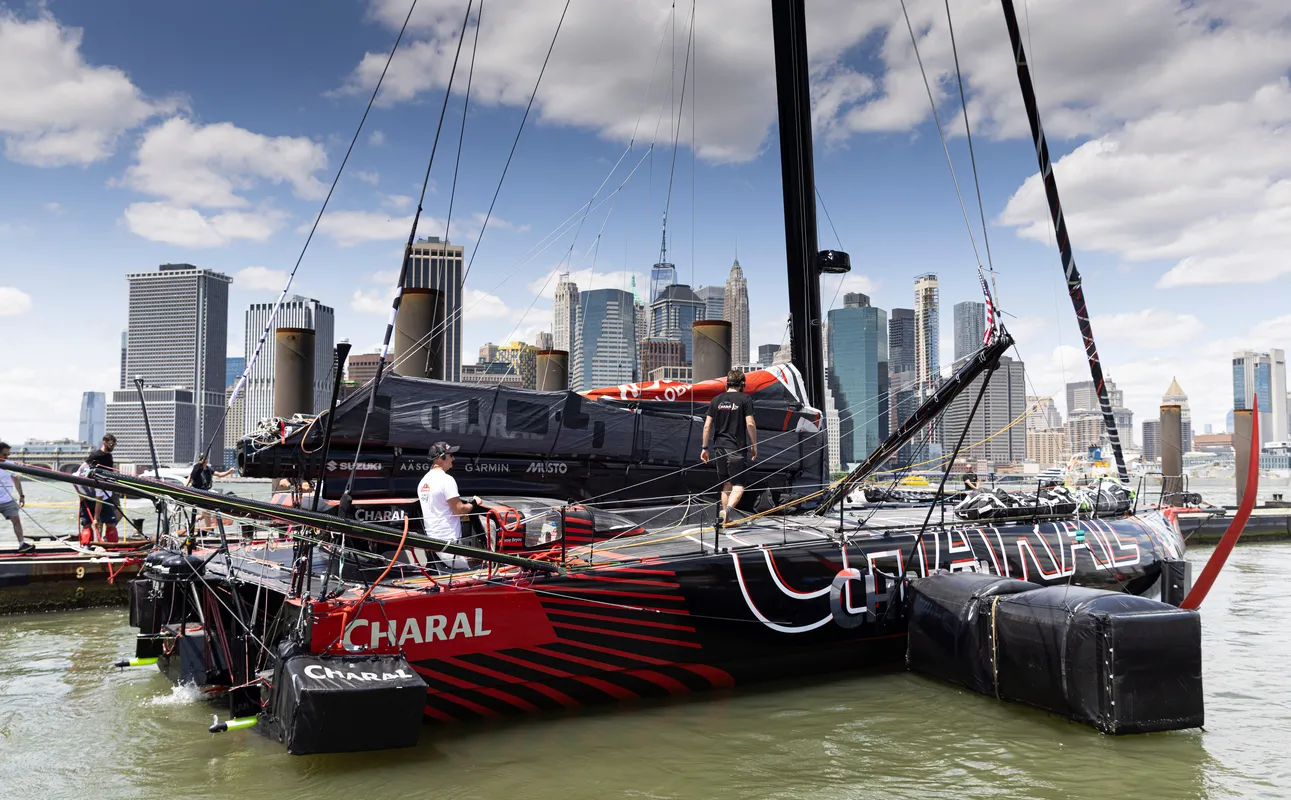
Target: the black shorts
pixel 730 465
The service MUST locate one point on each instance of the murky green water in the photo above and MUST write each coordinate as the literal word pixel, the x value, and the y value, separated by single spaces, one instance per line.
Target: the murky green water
pixel 71 726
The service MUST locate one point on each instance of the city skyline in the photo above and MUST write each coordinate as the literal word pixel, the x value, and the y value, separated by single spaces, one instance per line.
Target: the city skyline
pixel 217 150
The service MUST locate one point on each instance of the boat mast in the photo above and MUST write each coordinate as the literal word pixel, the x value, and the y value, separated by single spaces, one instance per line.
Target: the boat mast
pixel 798 176
pixel 1064 244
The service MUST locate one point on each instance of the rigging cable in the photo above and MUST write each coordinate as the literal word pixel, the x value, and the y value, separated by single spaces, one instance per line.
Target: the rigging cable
pixel 407 259
pixel 461 134
pixel 681 105
pixel 242 379
pixel 515 143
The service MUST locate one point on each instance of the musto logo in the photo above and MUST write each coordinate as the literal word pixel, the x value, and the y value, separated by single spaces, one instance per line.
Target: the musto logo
pixel 548 467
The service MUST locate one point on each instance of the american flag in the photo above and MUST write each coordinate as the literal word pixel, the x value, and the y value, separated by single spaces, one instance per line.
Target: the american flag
pixel 989 334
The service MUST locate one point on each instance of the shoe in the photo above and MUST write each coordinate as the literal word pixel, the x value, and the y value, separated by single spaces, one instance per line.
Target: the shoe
pixel 26 547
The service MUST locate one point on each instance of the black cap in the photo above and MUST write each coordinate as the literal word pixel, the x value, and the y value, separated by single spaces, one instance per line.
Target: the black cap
pixel 441 449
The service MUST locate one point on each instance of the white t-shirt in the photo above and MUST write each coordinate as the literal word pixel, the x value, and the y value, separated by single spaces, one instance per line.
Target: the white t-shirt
pixel 7 492
pixel 434 491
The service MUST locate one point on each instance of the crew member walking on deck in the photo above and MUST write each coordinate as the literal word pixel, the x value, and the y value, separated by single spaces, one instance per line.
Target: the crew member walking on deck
pixel 12 500
pixel 442 507
pixel 203 477
pixel 730 427
pixel 96 507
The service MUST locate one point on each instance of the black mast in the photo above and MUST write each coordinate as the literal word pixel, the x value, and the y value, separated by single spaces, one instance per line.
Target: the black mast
pixel 1074 287
pixel 798 176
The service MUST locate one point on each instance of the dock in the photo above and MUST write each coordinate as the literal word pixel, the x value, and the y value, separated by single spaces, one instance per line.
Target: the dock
pixel 60 575
pixel 1207 525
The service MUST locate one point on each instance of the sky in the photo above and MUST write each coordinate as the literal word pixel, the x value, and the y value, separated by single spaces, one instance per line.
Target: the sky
pixel 210 133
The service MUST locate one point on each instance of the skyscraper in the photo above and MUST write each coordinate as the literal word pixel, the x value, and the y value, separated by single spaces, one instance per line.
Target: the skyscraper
pixel 674 312
pixel 523 360
pixel 970 328
pixel 1175 396
pixel 1151 440
pixel 736 308
pixel 565 319
pixel 1004 401
pixel 296 312
pixel 544 340
pixel 177 334
pixel 124 337
pixel 1263 375
pixel 714 298
pixel 233 367
pixel 93 418
pixel 927 334
pixel 1082 398
pixel 902 372
pixel 1044 415
pixel 766 354
pixel 657 353
pixel 362 367
pixel 605 340
pixel 662 275
pixel 858 376
pixel 438 265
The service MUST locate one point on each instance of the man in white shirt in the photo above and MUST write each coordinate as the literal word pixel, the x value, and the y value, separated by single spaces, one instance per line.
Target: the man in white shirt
pixel 12 500
pixel 442 507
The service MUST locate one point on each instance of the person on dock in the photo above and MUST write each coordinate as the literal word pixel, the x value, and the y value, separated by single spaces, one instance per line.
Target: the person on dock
pixel 729 425
pixel 12 499
pixel 97 510
pixel 203 477
pixel 442 507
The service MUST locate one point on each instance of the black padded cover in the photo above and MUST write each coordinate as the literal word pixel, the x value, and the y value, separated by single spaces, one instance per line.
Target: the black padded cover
pixel 1118 662
pixel 949 637
pixel 335 704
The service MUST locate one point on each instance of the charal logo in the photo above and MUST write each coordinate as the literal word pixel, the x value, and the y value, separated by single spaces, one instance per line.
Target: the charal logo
pixel 379 515
pixel 434 627
pixel 319 673
pixel 548 467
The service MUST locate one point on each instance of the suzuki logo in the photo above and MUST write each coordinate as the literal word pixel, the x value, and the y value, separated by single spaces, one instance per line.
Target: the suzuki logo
pixel 331 466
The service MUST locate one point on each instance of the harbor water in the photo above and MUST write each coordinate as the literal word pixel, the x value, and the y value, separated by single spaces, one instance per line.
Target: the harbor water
pixel 72 726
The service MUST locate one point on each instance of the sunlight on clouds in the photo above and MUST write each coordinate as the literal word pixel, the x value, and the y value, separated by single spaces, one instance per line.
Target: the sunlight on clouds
pixel 260 278
pixel 14 302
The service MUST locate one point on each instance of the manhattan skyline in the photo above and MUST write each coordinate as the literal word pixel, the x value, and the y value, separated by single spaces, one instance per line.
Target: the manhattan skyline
pixel 187 154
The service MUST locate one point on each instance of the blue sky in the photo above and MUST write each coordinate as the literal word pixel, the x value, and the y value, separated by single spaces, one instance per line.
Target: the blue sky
pixel 208 133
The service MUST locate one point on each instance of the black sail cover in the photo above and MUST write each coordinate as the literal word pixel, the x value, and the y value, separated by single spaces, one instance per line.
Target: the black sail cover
pixel 623 447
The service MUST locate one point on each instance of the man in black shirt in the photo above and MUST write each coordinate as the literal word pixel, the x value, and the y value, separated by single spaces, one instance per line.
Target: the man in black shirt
pixel 103 456
pixel 202 477
pixel 730 427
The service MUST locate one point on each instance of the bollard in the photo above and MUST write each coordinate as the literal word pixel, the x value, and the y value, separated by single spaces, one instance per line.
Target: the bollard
pixel 419 332
pixel 1171 454
pixel 293 372
pixel 553 370
pixel 1242 418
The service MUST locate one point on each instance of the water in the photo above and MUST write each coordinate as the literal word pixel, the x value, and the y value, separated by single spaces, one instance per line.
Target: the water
pixel 71 726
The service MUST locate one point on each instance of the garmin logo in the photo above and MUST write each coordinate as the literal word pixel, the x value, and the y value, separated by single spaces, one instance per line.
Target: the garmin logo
pixel 492 468
pixel 319 673
pixel 548 467
pixel 417 631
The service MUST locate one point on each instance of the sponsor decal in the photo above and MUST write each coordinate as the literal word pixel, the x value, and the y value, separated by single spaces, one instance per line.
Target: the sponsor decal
pixel 380 515
pixel 488 467
pixel 440 625
pixel 548 467
pixel 319 673
pixel 357 466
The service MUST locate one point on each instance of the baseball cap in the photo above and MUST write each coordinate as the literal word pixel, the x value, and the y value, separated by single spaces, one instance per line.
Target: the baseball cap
pixel 441 449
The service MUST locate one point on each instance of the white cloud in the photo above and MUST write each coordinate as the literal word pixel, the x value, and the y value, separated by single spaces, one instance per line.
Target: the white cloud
pixel 210 166
pixel 376 139
pixel 55 109
pixel 589 279
pixel 396 202
pixel 54 208
pixel 348 228
pixel 260 278
pixel 833 287
pixel 14 302
pixel 372 301
pixel 480 306
pixel 1150 328
pixel 368 176
pixel 188 227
